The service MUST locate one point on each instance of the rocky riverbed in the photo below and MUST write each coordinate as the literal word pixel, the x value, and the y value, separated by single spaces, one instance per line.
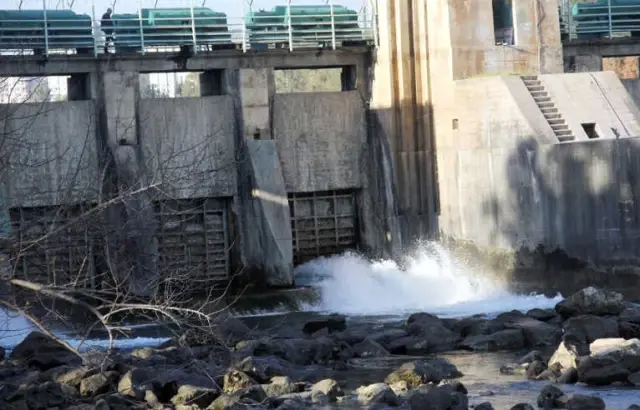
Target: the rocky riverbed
pixel 566 354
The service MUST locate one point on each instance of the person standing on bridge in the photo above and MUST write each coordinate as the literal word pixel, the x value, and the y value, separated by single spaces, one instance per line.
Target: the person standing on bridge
pixel 107 26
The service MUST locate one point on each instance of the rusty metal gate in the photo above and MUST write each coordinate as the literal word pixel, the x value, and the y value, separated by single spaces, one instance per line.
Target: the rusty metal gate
pixel 322 223
pixel 193 240
pixel 54 244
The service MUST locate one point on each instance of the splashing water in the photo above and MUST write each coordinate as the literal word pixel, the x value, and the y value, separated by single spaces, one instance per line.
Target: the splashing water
pixel 433 282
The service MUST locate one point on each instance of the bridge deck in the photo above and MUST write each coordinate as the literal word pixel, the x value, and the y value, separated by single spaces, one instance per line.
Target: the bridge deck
pixel 171 62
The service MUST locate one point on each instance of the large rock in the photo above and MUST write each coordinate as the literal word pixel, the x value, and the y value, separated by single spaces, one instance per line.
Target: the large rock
pixel 263 368
pixel 422 372
pixel 565 357
pixel 551 397
pixel 592 301
pixel 536 332
pixel 329 388
pixel 99 383
pixel 188 395
pixel 333 324
pixel 433 330
pixel 369 348
pixel 40 351
pixel 235 380
pixel 580 331
pixel 509 339
pixel 581 402
pixel 614 364
pixel 377 393
pixel 280 385
pixel 441 397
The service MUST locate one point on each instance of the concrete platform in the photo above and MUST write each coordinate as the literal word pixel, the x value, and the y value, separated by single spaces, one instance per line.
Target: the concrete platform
pixel 170 62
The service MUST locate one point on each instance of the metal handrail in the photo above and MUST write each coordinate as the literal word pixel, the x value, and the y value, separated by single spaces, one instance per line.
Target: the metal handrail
pixel 137 33
pixel 604 19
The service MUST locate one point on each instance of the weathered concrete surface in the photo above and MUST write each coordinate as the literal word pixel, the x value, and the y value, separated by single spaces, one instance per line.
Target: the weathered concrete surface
pixel 633 88
pixel 161 62
pixel 602 100
pixel 119 99
pixel 188 145
pixel 537 46
pixel 320 139
pixel 267 241
pixel 508 188
pixel 51 149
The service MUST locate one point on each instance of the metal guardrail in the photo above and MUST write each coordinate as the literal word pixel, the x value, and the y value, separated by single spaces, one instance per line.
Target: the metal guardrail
pixel 602 19
pixel 199 31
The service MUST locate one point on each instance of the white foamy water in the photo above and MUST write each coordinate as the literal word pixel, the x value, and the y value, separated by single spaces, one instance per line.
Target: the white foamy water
pixel 432 282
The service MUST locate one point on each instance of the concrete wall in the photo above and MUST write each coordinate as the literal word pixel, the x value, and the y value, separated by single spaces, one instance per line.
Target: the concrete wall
pixel 188 145
pixel 509 186
pixel 596 97
pixel 537 47
pixel 320 139
pixel 52 151
pixel 633 88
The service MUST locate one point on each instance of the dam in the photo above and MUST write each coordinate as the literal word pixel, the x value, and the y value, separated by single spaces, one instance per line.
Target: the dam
pixel 452 120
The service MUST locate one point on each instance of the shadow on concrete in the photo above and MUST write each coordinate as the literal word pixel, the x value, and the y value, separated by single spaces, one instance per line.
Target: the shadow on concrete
pixel 570 211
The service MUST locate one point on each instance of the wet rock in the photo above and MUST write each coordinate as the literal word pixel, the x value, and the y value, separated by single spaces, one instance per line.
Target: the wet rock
pixel 591 301
pixel 551 373
pixel 513 368
pixel 523 406
pixel 369 348
pixel 634 379
pixel 42 396
pixel 509 339
pixel 536 332
pixel 551 397
pixel 542 314
pixel 71 376
pixel 333 324
pixel 480 326
pixel 631 313
pixel 40 351
pixel 441 397
pixel 581 402
pixel 400 388
pixel 387 336
pixel 430 328
pixel 455 385
pixel 614 364
pixel 236 380
pixel 568 376
pixel 564 357
pixel 484 406
pixel 99 383
pixel 228 402
pixel 629 330
pixel 136 382
pixel 580 331
pixel 535 369
pixel 328 387
pixel 530 357
pixel 378 393
pixel 280 385
pixel 192 395
pixel 422 372
pixel 262 369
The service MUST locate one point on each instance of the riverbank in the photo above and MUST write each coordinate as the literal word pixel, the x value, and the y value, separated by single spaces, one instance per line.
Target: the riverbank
pixel 587 341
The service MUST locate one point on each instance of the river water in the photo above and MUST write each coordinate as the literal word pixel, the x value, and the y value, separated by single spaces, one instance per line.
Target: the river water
pixel 380 291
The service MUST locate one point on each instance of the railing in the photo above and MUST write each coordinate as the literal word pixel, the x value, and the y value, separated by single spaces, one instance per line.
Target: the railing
pixel 196 29
pixel 601 19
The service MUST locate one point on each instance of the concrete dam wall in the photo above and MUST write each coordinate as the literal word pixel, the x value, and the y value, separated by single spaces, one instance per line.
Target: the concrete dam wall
pixel 242 179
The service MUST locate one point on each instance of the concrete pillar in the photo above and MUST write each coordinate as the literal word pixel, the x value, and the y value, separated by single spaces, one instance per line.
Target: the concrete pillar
pixel 130 240
pixel 261 206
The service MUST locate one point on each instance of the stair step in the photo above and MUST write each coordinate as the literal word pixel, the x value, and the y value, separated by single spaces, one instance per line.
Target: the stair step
pixel 532 83
pixel 565 138
pixel 529 77
pixel 563 132
pixel 557 120
pixel 540 100
pixel 547 105
pixel 559 127
pixel 539 93
pixel 534 88
pixel 550 111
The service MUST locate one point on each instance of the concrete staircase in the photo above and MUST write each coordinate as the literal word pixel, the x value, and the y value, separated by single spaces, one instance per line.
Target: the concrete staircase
pixel 548 108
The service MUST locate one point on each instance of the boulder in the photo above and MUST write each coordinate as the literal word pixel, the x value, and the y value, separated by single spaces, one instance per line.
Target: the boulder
pixel 71 376
pixel 432 329
pixel 369 348
pixel 280 385
pixel 377 393
pixel 581 402
pixel 333 323
pixel 631 313
pixel 421 372
pixel 235 380
pixel 42 352
pixel 99 383
pixel 551 397
pixel 613 364
pixel 568 376
pixel 386 336
pixel 634 379
pixel 580 331
pixel 188 395
pixel 328 387
pixel 542 314
pixel 536 332
pixel 567 358
pixel 509 339
pixel 591 301
pixel 441 397
pixel 262 369
pixel 534 369
pixel 522 406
